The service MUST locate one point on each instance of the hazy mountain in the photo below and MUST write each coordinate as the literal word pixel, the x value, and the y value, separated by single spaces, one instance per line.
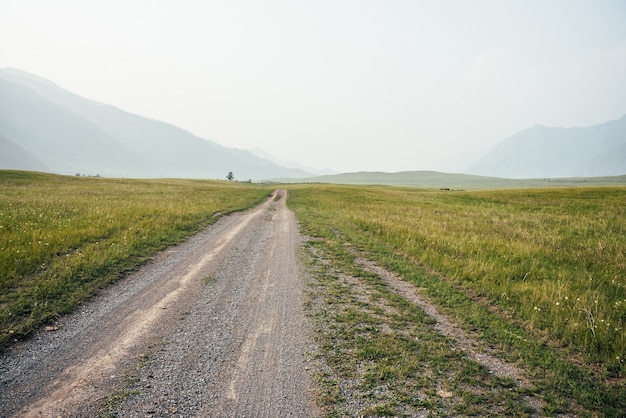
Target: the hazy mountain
pixel 542 152
pixel 15 157
pixel 261 153
pixel 47 128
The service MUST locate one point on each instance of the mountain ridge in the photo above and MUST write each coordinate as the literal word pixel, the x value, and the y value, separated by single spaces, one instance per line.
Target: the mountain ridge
pixel 44 127
pixel 549 152
pixel 59 131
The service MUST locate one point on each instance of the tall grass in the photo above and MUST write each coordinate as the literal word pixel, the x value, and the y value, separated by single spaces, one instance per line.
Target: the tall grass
pixel 551 261
pixel 62 238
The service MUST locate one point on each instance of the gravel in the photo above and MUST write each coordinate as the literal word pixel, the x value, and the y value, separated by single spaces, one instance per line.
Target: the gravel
pixel 211 327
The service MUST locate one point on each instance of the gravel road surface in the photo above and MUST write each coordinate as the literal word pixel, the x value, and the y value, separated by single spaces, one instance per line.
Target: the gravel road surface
pixel 211 327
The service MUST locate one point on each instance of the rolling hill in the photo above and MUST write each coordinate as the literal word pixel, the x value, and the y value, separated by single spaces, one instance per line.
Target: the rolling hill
pixel 46 128
pixel 542 152
pixel 450 181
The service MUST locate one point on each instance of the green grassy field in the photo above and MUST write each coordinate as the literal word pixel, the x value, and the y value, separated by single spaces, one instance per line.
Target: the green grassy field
pixel 538 274
pixel 439 180
pixel 62 238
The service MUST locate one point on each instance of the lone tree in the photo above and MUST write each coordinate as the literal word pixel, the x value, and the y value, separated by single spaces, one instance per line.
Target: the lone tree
pixel 230 176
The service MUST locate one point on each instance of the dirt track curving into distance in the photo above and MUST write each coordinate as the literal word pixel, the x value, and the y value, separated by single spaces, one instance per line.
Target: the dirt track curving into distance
pixel 211 327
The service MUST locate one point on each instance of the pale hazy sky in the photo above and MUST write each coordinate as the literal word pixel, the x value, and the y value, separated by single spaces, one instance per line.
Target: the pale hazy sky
pixel 349 85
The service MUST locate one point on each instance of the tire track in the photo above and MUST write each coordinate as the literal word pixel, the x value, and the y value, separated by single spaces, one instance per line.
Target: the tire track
pixel 475 351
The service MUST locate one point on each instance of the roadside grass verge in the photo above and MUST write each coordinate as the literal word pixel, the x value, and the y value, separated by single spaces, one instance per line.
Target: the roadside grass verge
pixel 536 274
pixel 385 358
pixel 63 238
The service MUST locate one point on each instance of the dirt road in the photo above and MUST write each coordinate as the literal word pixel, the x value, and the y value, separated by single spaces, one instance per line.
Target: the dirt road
pixel 212 327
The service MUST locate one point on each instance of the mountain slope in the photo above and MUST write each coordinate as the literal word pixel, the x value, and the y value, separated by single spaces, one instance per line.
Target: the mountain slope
pixel 15 157
pixel 261 153
pixel 60 139
pixel 542 152
pixel 68 134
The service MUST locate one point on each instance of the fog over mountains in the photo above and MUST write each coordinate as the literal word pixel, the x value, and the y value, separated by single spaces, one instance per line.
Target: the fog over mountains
pixel 542 152
pixel 46 128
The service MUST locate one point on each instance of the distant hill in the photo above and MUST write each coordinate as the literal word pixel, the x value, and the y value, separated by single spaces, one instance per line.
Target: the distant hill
pixel 542 152
pixel 46 128
pixel 449 181
pixel 261 153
